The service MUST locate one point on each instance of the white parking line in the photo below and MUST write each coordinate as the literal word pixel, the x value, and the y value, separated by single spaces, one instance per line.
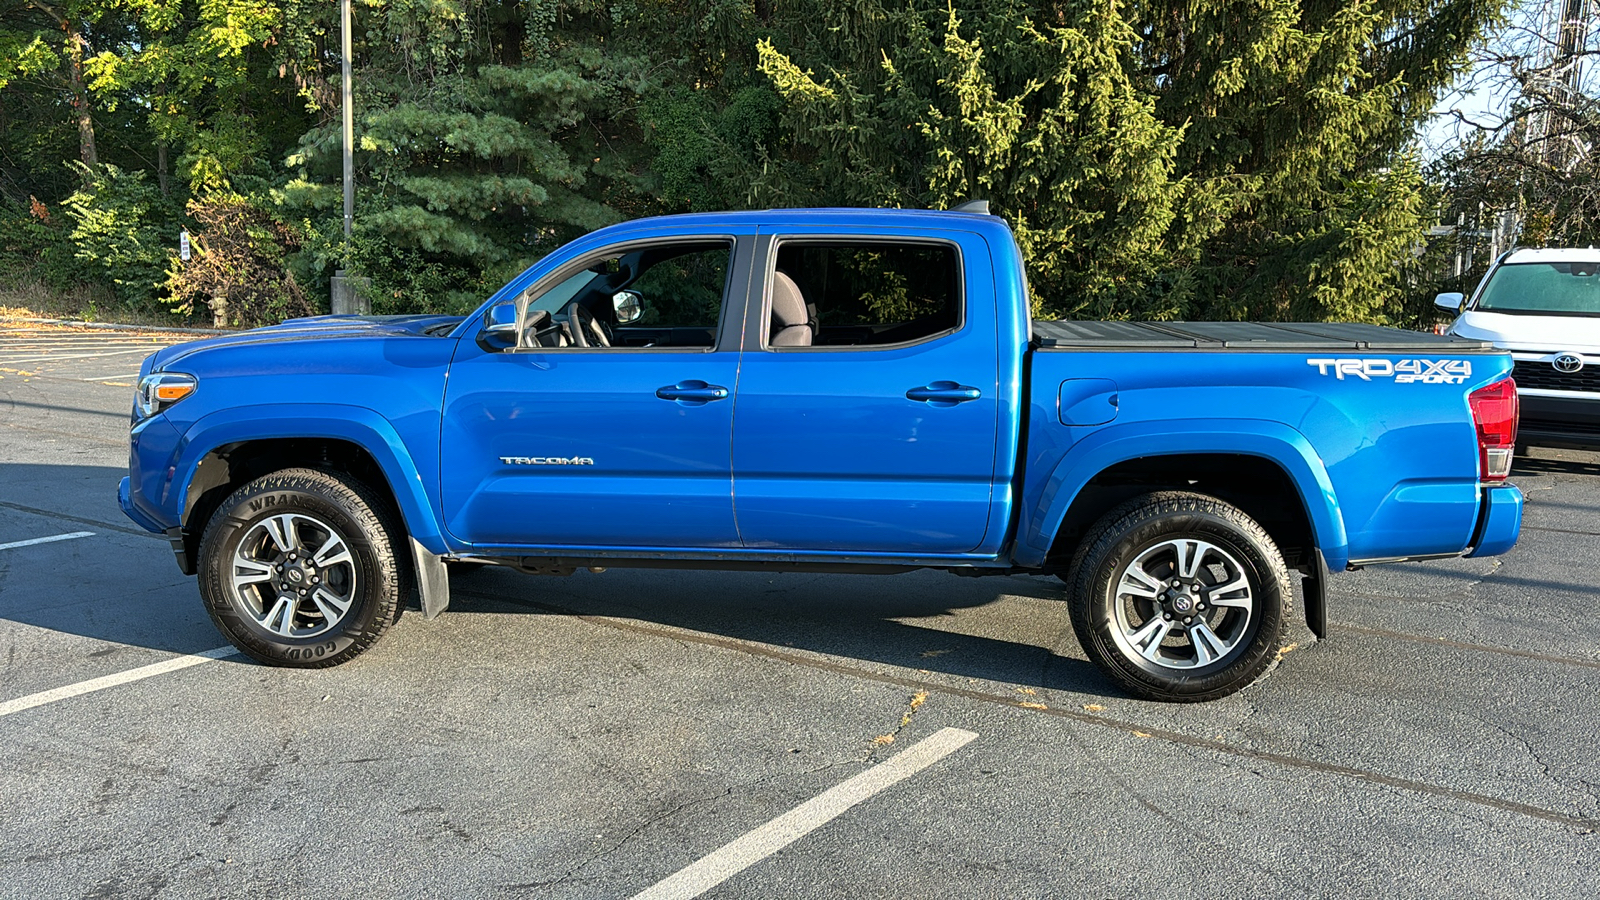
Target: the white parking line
pixel 62 357
pixel 47 540
pixel 741 853
pixel 109 681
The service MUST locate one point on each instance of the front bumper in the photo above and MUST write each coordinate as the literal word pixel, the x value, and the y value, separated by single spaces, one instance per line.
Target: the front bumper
pixel 1559 421
pixel 132 510
pixel 1499 521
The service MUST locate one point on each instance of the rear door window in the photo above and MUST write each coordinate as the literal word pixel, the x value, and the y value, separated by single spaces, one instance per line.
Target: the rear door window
pixel 870 294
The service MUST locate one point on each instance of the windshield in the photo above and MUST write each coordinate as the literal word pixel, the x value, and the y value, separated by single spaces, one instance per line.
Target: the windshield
pixel 1549 288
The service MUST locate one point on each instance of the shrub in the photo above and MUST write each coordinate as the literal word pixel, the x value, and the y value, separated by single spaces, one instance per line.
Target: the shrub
pixel 237 266
pixel 117 231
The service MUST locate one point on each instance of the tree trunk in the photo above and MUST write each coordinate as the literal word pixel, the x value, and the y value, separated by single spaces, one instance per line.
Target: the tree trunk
pixel 161 169
pixel 80 94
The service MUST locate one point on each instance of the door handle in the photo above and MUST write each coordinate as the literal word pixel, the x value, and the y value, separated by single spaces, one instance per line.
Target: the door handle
pixel 944 393
pixel 692 391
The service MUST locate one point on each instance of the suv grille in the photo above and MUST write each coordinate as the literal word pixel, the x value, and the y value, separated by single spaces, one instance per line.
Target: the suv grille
pixel 1548 426
pixel 1542 375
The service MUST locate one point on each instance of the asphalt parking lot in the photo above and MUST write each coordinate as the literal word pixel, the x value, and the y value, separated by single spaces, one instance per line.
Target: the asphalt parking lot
pixel 751 735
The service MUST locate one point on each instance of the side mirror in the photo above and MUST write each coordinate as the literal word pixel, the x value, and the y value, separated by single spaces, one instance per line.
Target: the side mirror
pixel 629 306
pixel 499 328
pixel 1451 300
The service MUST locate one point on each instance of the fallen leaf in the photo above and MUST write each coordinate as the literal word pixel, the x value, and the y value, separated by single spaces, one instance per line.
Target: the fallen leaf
pixel 1026 691
pixel 919 698
pixel 1093 707
pixel 1288 649
pixel 929 654
pixel 1141 734
pixel 1030 705
pixel 883 740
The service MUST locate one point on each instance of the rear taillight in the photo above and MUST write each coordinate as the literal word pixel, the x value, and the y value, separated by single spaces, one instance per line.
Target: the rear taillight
pixel 1494 411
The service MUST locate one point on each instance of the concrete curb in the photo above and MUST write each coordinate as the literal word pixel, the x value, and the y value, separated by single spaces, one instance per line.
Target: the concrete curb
pixel 114 327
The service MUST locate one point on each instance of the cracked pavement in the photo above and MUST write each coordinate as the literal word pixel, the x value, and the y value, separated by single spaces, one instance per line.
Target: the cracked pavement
pixel 585 737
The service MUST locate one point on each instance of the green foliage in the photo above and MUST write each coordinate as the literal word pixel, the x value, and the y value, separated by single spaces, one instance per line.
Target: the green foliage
pixel 485 137
pixel 35 243
pixel 1201 160
pixel 1193 159
pixel 120 231
pixel 407 280
pixel 686 290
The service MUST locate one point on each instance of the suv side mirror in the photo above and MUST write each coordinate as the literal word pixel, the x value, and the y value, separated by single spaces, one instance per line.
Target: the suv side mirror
pixel 629 306
pixel 1451 300
pixel 499 328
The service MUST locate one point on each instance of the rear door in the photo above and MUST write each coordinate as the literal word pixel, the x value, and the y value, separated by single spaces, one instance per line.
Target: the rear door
pixel 871 425
pixel 552 444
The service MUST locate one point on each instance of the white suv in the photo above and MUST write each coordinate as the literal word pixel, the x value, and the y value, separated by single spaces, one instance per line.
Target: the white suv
pixel 1543 306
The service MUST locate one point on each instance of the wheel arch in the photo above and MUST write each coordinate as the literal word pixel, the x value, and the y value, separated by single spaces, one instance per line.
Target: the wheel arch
pixel 1112 464
pixel 229 448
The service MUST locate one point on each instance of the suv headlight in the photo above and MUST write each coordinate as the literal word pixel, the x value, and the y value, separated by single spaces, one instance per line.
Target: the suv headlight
pixel 159 391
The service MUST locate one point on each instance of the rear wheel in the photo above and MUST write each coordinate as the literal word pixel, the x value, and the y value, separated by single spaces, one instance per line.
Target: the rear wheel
pixel 298 568
pixel 1179 597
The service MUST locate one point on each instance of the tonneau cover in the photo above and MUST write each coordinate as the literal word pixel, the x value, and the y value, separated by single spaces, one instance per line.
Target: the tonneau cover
pixel 1319 337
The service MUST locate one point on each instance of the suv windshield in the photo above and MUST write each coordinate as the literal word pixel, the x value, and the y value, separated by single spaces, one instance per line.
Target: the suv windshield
pixel 1548 288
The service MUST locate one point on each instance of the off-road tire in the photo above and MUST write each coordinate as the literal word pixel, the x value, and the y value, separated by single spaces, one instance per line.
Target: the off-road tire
pixel 1119 538
pixel 370 530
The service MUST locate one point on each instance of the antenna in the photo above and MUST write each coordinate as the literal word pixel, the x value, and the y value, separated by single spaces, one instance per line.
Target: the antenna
pixel 981 207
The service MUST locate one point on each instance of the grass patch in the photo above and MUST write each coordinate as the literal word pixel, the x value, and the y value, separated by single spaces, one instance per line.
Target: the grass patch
pixel 26 295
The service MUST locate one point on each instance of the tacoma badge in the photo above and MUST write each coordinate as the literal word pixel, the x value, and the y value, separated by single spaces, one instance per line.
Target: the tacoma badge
pixel 547 460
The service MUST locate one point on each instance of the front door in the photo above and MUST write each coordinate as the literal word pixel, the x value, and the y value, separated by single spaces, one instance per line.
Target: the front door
pixel 598 429
pixel 866 415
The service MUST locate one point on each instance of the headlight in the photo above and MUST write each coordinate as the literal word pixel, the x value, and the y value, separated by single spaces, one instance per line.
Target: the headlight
pixel 159 391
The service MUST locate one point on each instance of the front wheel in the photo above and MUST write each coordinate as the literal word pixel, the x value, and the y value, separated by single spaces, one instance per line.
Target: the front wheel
pixel 299 568
pixel 1180 597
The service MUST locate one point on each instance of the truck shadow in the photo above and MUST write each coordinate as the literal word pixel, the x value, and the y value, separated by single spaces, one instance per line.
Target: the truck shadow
pixel 120 586
pixel 1007 629
pixel 117 584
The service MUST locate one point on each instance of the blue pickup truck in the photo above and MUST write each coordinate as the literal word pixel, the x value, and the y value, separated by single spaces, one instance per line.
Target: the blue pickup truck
pixel 818 390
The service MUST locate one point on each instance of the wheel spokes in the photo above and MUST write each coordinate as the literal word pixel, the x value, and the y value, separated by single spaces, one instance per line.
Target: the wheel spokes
pixel 281 530
pixel 332 607
pixel 1190 554
pixel 254 571
pixel 285 586
pixel 1235 593
pixel 1149 637
pixel 280 618
pixel 1138 582
pixel 332 552
pixel 1150 609
pixel 1208 647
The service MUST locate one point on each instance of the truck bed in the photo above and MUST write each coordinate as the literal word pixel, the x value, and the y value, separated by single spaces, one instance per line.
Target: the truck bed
pixel 1312 337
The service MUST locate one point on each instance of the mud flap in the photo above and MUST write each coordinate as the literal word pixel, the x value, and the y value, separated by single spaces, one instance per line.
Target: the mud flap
pixel 433 580
pixel 1315 589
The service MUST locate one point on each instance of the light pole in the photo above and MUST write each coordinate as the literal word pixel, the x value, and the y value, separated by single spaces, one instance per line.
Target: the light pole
pixel 349 137
pixel 347 296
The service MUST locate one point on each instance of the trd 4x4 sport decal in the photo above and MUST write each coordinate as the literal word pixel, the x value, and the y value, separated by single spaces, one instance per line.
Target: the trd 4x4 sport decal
pixel 1403 371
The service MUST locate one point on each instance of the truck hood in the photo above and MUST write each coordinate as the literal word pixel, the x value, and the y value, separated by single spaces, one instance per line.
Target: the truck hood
pixel 316 328
pixel 1532 333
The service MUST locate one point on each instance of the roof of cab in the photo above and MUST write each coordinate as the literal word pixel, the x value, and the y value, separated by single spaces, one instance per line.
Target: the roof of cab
pixel 839 216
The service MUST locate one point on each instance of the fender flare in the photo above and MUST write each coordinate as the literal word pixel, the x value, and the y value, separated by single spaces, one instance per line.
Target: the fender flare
pixel 1108 446
pixel 355 424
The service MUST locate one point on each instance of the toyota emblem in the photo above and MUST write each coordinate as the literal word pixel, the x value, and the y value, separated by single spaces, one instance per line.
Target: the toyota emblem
pixel 1568 363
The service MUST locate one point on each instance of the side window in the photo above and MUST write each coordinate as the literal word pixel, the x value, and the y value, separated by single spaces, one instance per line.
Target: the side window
pixel 843 294
pixel 659 296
